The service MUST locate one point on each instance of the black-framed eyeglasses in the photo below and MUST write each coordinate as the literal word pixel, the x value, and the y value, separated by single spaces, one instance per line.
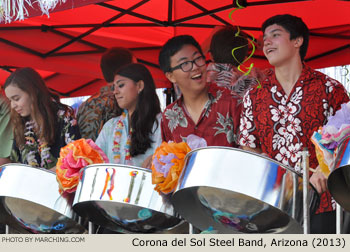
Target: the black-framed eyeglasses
pixel 188 65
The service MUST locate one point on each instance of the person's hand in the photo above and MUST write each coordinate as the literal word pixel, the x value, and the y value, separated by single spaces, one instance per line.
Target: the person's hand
pixel 53 169
pixel 255 150
pixel 147 163
pixel 264 154
pixel 4 161
pixel 319 181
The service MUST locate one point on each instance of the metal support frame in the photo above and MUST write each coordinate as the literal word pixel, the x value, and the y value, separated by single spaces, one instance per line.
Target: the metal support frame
pixel 153 23
pixel 95 28
pixel 7 68
pixel 91 228
pixel 198 6
pixel 339 219
pixel 306 211
pixel 131 13
pixel 190 229
pixel 170 11
pixel 328 53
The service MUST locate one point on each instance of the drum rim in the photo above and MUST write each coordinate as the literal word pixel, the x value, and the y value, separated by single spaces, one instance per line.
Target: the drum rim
pixel 251 153
pixel 110 165
pixel 245 151
pixel 28 166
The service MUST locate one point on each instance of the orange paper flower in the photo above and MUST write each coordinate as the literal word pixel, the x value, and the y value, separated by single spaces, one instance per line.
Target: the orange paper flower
pixel 167 164
pixel 73 157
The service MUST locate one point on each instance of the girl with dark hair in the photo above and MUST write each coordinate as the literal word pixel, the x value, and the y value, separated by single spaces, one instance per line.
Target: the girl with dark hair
pixel 42 125
pixel 133 137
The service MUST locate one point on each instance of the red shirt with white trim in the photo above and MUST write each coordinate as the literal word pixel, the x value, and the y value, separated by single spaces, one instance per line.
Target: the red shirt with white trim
pixel 281 126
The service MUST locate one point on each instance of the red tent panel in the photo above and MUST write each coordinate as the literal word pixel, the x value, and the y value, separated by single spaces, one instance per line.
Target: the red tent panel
pixel 69 43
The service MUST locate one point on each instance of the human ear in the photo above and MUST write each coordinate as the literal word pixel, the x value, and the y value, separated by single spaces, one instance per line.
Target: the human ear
pixel 170 77
pixel 140 85
pixel 299 41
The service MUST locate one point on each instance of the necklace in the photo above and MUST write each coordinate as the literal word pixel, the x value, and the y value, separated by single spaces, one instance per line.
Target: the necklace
pixel 36 146
pixel 117 142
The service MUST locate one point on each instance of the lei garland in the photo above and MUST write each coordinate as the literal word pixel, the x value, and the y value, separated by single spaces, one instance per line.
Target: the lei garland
pixel 34 146
pixel 36 149
pixel 117 139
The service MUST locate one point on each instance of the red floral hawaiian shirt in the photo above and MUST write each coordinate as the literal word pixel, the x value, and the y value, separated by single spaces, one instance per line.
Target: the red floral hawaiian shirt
pixel 282 126
pixel 218 123
pixel 228 76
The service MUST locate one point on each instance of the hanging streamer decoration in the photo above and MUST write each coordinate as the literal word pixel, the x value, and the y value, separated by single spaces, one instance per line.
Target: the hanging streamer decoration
pixel 251 42
pixel 13 10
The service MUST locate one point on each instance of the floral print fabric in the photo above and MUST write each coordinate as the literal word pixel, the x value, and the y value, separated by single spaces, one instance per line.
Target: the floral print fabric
pixel 228 76
pixel 38 154
pixel 282 126
pixel 217 124
pixel 96 111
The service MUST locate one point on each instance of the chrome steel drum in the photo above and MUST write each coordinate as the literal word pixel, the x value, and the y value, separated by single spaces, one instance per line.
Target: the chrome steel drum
pixel 30 202
pixel 234 191
pixel 120 197
pixel 339 179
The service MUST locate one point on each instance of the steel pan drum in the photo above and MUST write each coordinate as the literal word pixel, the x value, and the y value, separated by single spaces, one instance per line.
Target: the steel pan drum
pixel 121 197
pixel 30 202
pixel 235 191
pixel 339 179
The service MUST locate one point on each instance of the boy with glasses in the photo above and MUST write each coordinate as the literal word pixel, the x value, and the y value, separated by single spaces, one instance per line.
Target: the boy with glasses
pixel 203 110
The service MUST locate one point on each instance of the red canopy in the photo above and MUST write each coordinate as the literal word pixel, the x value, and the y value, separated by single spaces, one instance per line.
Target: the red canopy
pixel 66 47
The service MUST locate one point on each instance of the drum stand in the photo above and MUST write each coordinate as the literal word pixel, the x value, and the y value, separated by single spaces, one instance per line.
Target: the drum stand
pixel 91 228
pixel 339 219
pixel 190 229
pixel 306 212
